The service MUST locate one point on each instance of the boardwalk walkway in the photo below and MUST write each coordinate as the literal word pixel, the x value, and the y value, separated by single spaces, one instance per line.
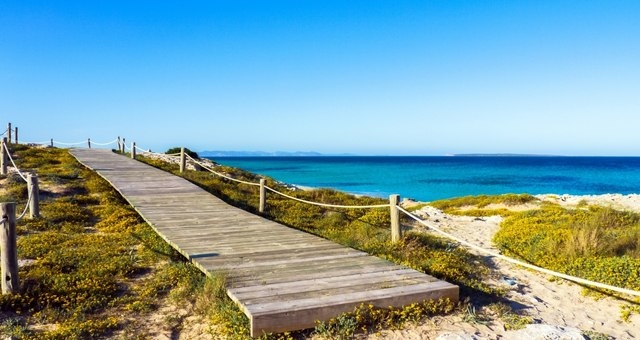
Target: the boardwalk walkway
pixel 282 278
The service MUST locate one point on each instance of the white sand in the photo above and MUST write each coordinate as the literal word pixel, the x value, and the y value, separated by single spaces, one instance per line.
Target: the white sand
pixel 558 303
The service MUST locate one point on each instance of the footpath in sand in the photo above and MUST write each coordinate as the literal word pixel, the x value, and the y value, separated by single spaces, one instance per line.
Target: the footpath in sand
pixel 558 305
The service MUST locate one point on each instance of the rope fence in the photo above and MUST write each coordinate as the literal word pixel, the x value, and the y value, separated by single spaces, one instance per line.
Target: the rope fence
pixel 325 205
pixel 439 231
pixel 518 262
pixel 393 205
pixel 29 179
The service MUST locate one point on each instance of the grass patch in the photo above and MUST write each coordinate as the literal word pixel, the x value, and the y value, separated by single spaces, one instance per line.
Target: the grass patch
pixel 97 267
pixel 474 205
pixel 598 243
pixel 363 229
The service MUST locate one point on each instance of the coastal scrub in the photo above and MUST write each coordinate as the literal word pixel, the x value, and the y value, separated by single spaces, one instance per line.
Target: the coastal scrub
pixel 91 266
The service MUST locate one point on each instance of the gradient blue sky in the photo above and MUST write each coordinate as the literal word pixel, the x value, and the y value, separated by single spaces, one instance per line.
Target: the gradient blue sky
pixel 366 77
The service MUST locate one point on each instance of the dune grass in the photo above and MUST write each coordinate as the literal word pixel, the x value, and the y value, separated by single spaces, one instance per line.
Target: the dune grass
pixel 478 205
pixel 96 269
pixel 597 243
pixel 363 229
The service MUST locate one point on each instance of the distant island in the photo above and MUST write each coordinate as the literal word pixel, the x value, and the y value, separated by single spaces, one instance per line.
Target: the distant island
pixel 259 154
pixel 208 153
pixel 501 155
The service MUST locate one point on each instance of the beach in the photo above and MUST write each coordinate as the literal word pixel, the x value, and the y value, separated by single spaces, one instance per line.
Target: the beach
pixel 560 305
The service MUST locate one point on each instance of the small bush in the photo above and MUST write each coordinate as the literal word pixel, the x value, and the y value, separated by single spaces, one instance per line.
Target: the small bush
pixel 193 154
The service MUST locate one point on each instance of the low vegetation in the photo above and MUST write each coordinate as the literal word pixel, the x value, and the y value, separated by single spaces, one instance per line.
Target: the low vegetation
pixel 596 243
pixel 483 205
pixel 92 266
pixel 363 229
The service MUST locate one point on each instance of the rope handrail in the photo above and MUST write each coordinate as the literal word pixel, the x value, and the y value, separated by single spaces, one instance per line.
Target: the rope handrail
pixel 103 144
pixel 37 143
pixel 219 174
pixel 292 197
pixel 26 207
pixel 326 205
pixel 29 198
pixel 63 143
pixel 521 263
pixel 14 163
pixel 143 150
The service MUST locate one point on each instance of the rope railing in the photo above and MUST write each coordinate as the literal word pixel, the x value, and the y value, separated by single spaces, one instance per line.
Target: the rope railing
pixel 328 205
pixel 105 144
pixel 521 263
pixel 144 150
pixel 24 178
pixel 34 143
pixel 6 149
pixel 220 174
pixel 69 144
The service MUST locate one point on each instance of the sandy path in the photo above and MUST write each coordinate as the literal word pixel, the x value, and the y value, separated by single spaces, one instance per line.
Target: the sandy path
pixel 558 303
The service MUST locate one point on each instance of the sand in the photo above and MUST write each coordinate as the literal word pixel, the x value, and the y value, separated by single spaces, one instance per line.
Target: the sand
pixel 553 305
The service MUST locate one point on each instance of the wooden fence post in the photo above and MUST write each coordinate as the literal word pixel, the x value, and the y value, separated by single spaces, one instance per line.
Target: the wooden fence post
pixel 51 142
pixel 9 132
pixel 263 196
pixel 89 142
pixel 133 150
pixel 183 160
pixel 8 249
pixel 119 147
pixel 4 160
pixel 16 135
pixel 34 193
pixel 396 232
pixel 124 142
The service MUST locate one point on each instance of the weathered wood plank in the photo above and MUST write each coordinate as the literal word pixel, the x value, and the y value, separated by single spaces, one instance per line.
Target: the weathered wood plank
pixel 284 279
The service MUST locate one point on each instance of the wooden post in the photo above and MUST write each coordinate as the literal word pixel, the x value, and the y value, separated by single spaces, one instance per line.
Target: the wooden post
pixel 4 160
pixel 119 147
pixel 8 249
pixel 51 142
pixel 34 192
pixel 183 160
pixel 263 196
pixel 9 132
pixel 16 135
pixel 133 150
pixel 89 142
pixel 396 232
pixel 124 142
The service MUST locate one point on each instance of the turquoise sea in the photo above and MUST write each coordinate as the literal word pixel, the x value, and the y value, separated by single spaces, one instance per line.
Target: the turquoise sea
pixel 432 178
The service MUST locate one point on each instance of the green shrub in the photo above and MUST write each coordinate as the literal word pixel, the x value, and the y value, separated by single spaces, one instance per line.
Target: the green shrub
pixel 600 244
pixel 193 154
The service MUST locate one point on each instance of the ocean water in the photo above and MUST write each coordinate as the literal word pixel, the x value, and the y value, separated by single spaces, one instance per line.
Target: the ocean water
pixel 432 178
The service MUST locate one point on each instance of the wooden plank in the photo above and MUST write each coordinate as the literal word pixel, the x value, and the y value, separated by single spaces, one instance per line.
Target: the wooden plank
pixel 283 279
pixel 298 318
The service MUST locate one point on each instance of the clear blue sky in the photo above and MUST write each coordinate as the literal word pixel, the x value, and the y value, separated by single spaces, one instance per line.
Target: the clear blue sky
pixel 368 77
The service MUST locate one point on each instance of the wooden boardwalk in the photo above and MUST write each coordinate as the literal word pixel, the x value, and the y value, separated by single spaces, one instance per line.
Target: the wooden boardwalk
pixel 283 279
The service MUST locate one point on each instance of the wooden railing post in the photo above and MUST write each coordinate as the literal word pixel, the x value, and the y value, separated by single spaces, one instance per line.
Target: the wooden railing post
pixel 9 132
pixel 34 193
pixel 16 135
pixel 4 159
pixel 119 147
pixel 89 142
pixel 51 142
pixel 133 150
pixel 263 196
pixel 396 232
pixel 8 249
pixel 183 160
pixel 124 142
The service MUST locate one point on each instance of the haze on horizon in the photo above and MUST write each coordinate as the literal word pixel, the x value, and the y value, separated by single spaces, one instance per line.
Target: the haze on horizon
pixel 361 77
